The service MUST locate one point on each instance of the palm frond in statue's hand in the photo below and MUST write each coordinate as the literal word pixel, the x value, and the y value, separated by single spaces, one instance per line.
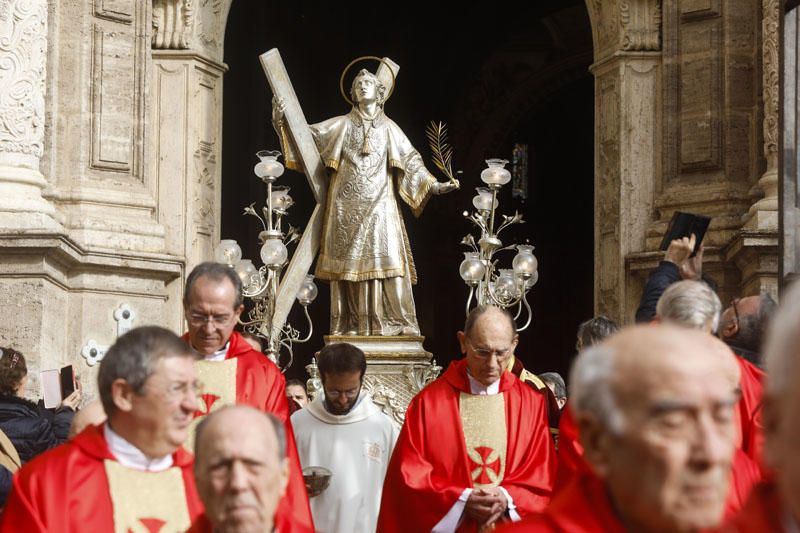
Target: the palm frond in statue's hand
pixel 441 150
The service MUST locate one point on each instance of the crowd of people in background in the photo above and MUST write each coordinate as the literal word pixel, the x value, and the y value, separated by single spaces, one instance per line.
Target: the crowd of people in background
pixel 687 421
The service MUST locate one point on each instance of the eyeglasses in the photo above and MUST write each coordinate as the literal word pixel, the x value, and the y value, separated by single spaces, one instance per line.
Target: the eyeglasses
pixel 485 352
pixel 349 394
pixel 735 311
pixel 178 390
pixel 198 320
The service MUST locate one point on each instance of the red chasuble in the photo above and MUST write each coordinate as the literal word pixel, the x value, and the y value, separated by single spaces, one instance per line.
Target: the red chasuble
pixel 750 409
pixel 79 486
pixel 433 463
pixel 583 506
pixel 762 513
pixel 248 377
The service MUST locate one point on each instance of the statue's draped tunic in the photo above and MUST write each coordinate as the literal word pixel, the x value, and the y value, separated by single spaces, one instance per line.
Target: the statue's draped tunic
pixel 363 236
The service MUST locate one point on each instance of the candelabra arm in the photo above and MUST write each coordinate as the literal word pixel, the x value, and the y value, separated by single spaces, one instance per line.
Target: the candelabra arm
pixel 310 326
pixel 269 203
pixel 519 310
pixel 491 213
pixel 469 299
pixel 530 312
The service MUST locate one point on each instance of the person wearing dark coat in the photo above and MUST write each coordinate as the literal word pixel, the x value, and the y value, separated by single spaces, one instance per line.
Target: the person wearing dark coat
pixel 31 429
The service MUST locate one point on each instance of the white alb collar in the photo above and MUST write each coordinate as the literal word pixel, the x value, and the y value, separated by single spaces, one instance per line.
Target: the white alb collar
pixel 130 456
pixel 220 354
pixel 476 387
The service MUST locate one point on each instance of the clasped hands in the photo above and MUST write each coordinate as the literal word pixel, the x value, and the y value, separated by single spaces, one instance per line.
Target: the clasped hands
pixel 486 506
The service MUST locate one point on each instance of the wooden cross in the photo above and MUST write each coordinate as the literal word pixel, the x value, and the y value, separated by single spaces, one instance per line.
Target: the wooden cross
pixel 315 171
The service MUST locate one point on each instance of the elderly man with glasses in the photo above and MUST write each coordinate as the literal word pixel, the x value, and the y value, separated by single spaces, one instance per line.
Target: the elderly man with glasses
pixel 344 431
pixel 475 449
pixel 232 372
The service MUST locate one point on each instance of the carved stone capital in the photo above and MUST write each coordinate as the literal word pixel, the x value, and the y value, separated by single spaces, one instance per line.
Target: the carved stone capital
pixel 173 24
pixel 190 24
pixel 23 55
pixel 641 25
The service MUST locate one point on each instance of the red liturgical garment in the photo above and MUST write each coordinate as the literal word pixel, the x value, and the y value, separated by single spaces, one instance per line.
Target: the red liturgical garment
pixel 79 486
pixel 450 442
pixel 247 377
pixel 763 513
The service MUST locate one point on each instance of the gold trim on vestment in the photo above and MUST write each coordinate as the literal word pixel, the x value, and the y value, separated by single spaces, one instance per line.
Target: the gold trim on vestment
pixel 483 419
pixel 218 379
pixel 147 501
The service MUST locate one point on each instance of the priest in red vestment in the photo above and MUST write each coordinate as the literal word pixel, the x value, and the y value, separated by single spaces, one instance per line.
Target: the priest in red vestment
pixel 130 473
pixel 774 506
pixel 475 449
pixel 232 372
pixel 655 407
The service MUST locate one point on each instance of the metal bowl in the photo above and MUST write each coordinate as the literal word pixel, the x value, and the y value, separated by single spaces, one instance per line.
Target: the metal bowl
pixel 317 479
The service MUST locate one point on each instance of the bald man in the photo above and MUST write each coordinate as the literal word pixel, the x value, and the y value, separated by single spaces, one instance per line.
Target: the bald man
pixel 775 505
pixel 655 407
pixel 241 470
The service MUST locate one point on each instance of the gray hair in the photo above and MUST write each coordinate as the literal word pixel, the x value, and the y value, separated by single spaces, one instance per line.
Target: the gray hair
pixel 215 272
pixel 555 379
pixel 690 304
pixel 277 426
pixel 592 391
pixel 133 358
pixel 782 347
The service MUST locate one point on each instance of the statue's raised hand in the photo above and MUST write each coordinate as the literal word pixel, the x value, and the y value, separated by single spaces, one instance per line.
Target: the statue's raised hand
pixel 444 187
pixel 278 109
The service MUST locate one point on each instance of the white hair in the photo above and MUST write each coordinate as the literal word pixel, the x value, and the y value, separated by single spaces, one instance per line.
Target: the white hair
pixel 782 347
pixel 690 304
pixel 591 389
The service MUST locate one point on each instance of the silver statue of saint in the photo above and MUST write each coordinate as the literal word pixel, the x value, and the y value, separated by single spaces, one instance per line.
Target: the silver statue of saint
pixel 364 251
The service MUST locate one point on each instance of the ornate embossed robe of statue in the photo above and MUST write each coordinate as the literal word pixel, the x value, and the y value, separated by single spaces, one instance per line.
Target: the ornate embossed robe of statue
pixel 244 376
pixel 356 448
pixel 80 486
pixel 454 439
pixel 364 250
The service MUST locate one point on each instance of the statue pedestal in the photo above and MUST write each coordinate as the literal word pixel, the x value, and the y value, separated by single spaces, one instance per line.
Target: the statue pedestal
pixel 398 367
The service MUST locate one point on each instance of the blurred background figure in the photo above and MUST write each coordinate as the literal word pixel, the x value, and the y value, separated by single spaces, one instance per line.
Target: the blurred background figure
pixel 253 341
pixel 594 330
pixel 296 393
pixel 743 325
pixel 555 383
pixel 91 414
pixel 31 429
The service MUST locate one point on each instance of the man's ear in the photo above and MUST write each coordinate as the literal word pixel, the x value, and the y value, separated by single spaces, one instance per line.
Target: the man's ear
pixel 122 395
pixel 596 440
pixel 238 311
pixel 462 340
pixel 284 480
pixel 730 330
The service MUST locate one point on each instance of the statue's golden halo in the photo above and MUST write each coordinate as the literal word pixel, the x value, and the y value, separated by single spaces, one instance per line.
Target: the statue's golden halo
pixel 353 62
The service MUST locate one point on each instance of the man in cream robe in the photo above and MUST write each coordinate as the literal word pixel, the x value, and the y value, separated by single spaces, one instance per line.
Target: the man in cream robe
pixel 353 440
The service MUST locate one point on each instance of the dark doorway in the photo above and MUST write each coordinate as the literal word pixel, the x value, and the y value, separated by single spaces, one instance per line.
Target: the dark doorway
pixel 497 76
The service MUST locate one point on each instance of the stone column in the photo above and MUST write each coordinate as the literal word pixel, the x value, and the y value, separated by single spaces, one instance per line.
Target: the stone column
pixel 186 112
pixel 763 215
pixel 627 72
pixel 23 57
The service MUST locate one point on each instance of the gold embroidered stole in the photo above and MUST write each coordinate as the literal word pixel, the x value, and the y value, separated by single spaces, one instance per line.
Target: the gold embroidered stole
pixel 219 389
pixel 147 502
pixel 483 419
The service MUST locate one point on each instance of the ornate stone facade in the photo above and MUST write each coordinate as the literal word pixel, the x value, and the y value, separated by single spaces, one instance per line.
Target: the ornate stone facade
pixel 110 136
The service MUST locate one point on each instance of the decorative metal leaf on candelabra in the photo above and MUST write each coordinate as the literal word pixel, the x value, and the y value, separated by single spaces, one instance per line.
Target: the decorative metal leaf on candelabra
pixel 489 285
pixel 260 285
